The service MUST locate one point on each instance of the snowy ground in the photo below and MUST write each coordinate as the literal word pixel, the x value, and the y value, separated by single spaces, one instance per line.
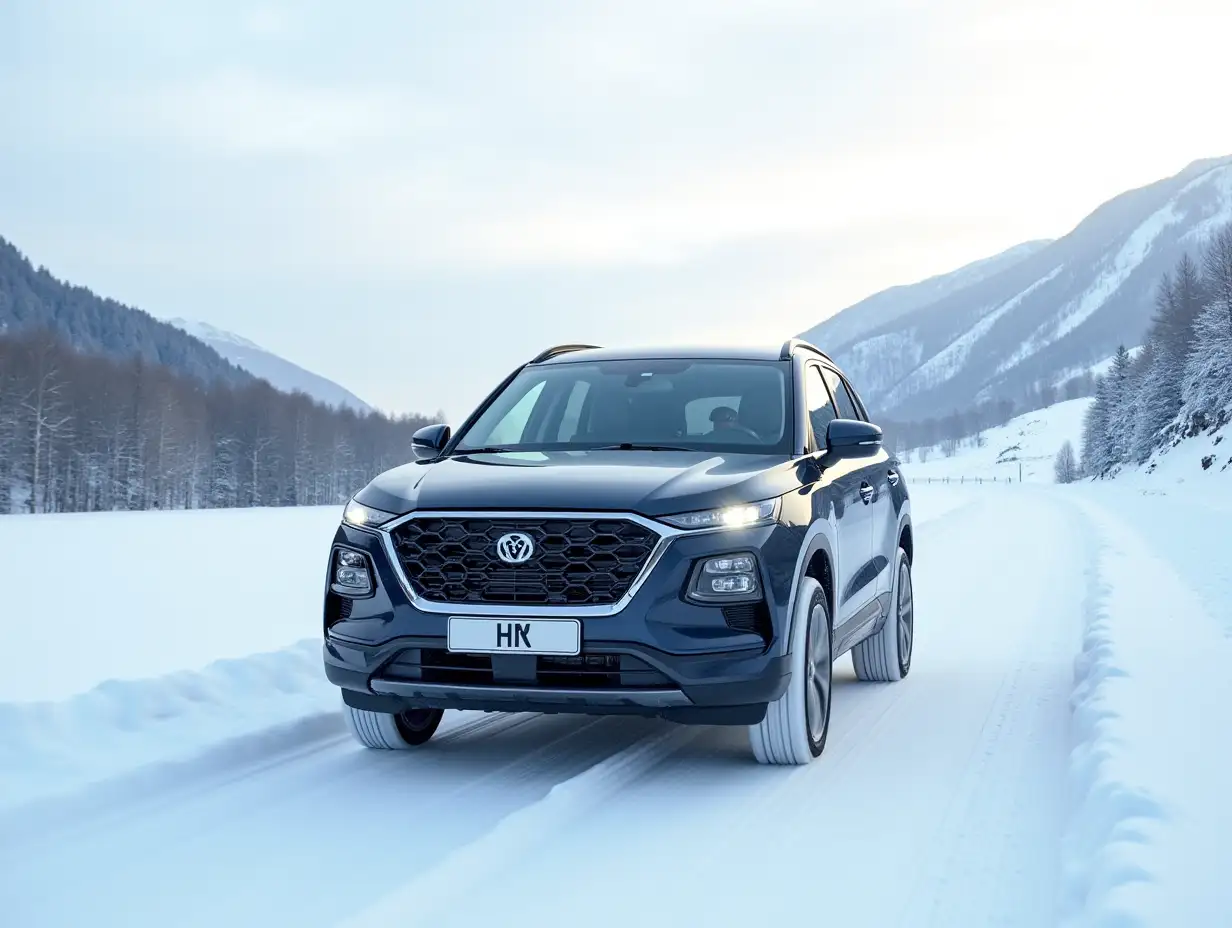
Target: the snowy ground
pixel 1055 754
pixel 1025 445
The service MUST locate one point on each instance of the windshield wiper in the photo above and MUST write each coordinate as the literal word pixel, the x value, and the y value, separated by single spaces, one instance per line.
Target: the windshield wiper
pixel 495 449
pixel 635 446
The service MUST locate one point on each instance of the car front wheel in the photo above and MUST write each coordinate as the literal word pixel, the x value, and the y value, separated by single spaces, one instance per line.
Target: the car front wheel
pixel 796 724
pixel 392 731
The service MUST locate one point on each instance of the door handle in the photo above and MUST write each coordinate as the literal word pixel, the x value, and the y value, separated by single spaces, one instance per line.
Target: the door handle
pixel 892 476
pixel 866 493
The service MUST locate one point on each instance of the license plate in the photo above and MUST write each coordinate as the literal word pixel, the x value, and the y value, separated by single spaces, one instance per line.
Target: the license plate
pixel 515 636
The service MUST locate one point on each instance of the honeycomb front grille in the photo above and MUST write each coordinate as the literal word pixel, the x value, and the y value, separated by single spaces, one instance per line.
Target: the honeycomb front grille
pixel 576 562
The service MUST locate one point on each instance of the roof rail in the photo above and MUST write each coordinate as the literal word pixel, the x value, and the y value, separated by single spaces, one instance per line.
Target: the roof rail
pixel 558 349
pixel 793 343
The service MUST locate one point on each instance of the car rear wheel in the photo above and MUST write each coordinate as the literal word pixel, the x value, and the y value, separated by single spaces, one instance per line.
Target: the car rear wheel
pixel 796 724
pixel 392 732
pixel 885 657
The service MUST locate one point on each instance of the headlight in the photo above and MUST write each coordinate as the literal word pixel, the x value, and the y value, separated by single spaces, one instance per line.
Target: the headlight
pixel 362 516
pixel 728 517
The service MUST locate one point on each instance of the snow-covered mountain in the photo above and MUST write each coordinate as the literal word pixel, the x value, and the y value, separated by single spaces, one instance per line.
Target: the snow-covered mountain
pixel 281 374
pixel 885 307
pixel 1031 314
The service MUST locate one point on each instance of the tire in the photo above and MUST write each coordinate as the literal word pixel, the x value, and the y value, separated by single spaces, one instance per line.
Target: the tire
pixel 885 657
pixel 383 731
pixel 796 724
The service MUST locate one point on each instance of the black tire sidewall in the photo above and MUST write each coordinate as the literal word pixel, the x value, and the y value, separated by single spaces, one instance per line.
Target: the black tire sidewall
pixel 903 562
pixel 422 733
pixel 818 598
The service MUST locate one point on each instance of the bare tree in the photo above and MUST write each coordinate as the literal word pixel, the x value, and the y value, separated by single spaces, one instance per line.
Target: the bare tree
pixel 85 432
pixel 1065 465
pixel 43 407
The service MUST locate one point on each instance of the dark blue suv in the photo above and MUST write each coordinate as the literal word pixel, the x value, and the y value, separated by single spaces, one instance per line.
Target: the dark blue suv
pixel 691 533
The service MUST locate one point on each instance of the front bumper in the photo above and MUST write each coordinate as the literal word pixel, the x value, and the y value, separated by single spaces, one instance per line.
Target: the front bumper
pixel 723 688
pixel 659 655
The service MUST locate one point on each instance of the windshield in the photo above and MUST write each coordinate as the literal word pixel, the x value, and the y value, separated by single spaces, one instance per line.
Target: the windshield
pixel 702 405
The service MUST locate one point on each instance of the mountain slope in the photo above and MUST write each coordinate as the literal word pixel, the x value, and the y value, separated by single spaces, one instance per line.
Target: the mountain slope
pixel 32 298
pixel 280 373
pixel 1064 305
pixel 889 305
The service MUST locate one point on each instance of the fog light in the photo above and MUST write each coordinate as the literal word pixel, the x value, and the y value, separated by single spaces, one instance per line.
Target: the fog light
pixel 727 578
pixel 351 574
pixel 741 564
pixel 350 558
pixel 737 583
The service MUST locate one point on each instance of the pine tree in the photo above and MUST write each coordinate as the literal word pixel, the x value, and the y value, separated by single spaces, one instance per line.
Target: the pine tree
pixel 1217 271
pixel 1095 461
pixel 1119 408
pixel 1156 404
pixel 1159 396
pixel 1207 386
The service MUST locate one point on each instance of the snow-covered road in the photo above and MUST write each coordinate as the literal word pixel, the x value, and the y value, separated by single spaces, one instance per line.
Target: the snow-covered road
pixel 946 800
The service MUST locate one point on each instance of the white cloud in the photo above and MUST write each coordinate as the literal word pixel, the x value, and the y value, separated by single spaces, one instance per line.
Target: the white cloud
pixel 268 22
pixel 689 158
pixel 238 113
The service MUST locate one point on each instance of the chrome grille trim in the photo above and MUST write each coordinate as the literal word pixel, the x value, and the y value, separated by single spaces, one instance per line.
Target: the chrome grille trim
pixel 665 532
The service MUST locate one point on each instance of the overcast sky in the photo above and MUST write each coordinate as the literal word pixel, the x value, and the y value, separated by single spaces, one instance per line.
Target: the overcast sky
pixel 411 198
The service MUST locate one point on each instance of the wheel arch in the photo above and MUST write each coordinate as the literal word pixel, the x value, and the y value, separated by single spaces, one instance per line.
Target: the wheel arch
pixel 905 533
pixel 816 559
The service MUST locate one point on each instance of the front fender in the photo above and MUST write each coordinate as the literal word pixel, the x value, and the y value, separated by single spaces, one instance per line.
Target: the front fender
pixel 819 537
pixel 904 522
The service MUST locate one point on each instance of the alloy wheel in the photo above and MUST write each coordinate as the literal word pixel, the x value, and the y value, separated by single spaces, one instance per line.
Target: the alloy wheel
pixel 820 670
pixel 906 616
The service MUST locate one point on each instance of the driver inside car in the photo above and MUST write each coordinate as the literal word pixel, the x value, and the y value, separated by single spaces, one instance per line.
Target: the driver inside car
pixel 723 418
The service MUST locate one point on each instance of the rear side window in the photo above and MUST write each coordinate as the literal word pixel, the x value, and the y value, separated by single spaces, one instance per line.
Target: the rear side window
pixel 847 408
pixel 820 409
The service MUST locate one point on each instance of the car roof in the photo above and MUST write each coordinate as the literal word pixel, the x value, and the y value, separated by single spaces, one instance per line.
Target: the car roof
pixel 716 352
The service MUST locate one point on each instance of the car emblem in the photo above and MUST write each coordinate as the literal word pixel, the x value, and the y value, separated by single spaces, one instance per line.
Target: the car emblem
pixel 515 548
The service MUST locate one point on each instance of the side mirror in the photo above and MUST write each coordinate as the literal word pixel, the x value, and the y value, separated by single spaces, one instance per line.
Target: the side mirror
pixel 428 441
pixel 851 438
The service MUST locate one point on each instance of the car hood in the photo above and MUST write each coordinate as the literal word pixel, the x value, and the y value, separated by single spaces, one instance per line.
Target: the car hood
pixel 650 483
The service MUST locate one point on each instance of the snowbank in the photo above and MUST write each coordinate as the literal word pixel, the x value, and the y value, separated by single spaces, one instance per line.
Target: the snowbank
pixel 120 726
pixel 93 597
pixel 146 637
pixel 1149 838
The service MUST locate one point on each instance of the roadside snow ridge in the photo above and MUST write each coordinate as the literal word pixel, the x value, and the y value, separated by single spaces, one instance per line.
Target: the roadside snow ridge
pixel 1147 844
pixel 122 725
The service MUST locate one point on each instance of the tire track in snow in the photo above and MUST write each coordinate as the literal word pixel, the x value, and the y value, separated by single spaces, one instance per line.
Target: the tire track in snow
pixel 421 900
pixel 211 853
pixel 1021 717
pixel 164 786
pixel 114 807
pixel 849 835
pixel 987 807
